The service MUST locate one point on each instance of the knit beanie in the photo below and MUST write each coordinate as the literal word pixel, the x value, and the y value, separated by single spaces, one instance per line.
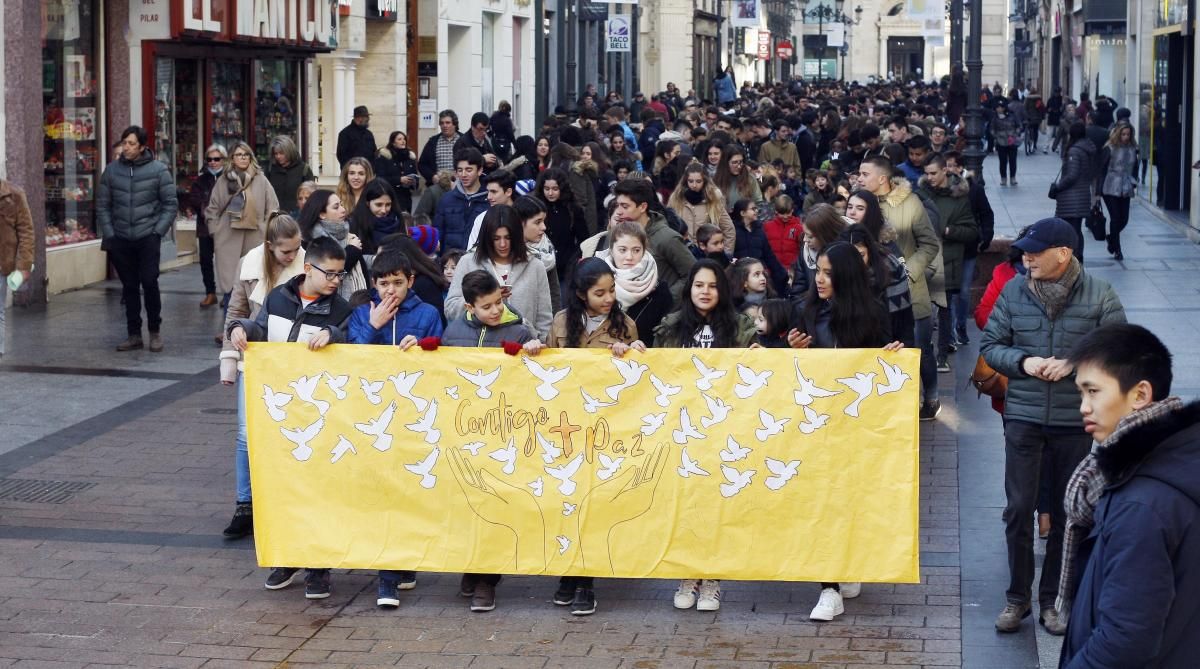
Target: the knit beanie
pixel 426 236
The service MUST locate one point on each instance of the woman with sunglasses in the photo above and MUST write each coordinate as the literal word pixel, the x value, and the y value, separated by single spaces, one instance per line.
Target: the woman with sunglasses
pixel 237 212
pixel 197 200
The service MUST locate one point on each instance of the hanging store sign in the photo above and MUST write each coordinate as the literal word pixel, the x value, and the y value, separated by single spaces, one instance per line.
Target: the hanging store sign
pixel 764 45
pixel 306 24
pixel 384 10
pixel 617 34
pixel 784 49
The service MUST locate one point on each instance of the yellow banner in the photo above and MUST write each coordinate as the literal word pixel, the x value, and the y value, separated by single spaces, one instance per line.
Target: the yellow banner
pixel 764 464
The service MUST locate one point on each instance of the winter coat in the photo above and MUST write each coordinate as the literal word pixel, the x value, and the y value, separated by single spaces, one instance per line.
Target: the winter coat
pixel 284 318
pixel 649 138
pixel 696 215
pixel 600 338
pixel 1138 598
pixel 670 254
pixel 427 164
pixel 456 213
pixel 16 231
pixel 428 203
pixel 816 197
pixel 530 291
pixel 567 228
pixel 786 237
pixel 286 181
pixel 804 271
pixel 1003 273
pixel 197 199
pixel 819 325
pixel 649 311
pixel 581 178
pixel 230 243
pixel 918 242
pixel 390 165
pixel 732 195
pixel 1118 170
pixel 355 141
pixel 503 135
pixel 1006 131
pixel 665 334
pixel 414 317
pixel 752 243
pixel 958 229
pixel 984 217
pixel 467 141
pixel 1019 327
pixel 247 299
pixel 1074 198
pixel 465 330
pixel 136 198
pixel 781 150
pixel 1034 109
pixel 725 88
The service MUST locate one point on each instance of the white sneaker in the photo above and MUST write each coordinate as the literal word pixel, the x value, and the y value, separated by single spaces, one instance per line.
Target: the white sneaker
pixel 850 590
pixel 685 596
pixel 828 607
pixel 710 596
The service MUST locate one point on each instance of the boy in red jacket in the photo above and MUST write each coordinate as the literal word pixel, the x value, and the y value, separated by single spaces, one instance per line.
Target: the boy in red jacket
pixel 785 232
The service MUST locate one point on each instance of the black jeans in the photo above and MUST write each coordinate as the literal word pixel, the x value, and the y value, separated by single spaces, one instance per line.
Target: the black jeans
pixel 1118 218
pixel 1025 446
pixel 1077 223
pixel 207 250
pixel 136 262
pixel 929 374
pixel 577 582
pixel 1008 161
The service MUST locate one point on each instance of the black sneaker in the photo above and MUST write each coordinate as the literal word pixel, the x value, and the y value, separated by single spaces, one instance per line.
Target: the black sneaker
pixel 565 594
pixel 408 580
pixel 466 587
pixel 962 338
pixel 584 603
pixel 242 524
pixel 387 598
pixel 930 410
pixel 943 366
pixel 316 584
pixel 281 577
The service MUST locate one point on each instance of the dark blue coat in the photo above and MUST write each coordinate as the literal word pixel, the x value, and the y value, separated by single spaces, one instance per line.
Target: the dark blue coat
pixel 753 243
pixel 1137 603
pixel 455 215
pixel 414 317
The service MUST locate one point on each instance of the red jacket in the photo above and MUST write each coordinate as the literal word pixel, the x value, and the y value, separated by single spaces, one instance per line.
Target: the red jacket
pixel 786 237
pixel 1003 273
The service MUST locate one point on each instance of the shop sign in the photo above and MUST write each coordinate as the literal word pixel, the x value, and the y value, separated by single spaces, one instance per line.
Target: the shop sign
pixel 384 10
pixel 310 24
pixel 764 45
pixel 784 49
pixel 617 33
pixel 149 19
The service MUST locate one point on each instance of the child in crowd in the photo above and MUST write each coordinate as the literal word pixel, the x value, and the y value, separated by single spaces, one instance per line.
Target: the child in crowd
pixel 748 282
pixel 448 263
pixel 839 203
pixel 305 309
pixel 785 232
pixel 822 191
pixel 772 322
pixel 487 323
pixel 710 242
pixel 643 296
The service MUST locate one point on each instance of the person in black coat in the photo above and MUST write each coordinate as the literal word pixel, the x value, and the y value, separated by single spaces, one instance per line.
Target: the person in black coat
pixel 355 140
pixel 752 243
pixel 502 132
pixel 477 138
pixel 565 222
pixel 196 199
pixel 397 165
pixel 1073 196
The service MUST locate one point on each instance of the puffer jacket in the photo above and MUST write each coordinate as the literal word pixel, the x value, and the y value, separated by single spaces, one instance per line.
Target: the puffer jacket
pixel 1074 198
pixel 1019 328
pixel 286 181
pixel 752 242
pixel 468 331
pixel 456 213
pixel 1118 169
pixel 136 198
pixel 786 236
pixel 918 242
pixel 414 317
pixel 958 229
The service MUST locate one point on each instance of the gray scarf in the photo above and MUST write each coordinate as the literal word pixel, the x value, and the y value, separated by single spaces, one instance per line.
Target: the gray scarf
pixel 335 230
pixel 1053 294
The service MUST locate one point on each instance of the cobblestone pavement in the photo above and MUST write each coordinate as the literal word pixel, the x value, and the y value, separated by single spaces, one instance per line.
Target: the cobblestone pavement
pixel 127 567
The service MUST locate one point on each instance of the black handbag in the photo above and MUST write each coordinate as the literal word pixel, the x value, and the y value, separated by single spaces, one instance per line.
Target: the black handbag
pixel 1053 194
pixel 1096 223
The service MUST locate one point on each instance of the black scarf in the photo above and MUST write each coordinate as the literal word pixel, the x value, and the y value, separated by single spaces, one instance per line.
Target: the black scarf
pixel 693 196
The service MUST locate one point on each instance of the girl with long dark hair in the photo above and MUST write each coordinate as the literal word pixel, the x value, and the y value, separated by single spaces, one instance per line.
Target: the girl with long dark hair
pixel 566 224
pixel 397 165
pixel 376 215
pixel 324 215
pixel 889 279
pixel 532 213
pixel 734 178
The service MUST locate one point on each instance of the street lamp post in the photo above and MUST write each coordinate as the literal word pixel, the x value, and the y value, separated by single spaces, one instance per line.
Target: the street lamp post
pixel 974 154
pixel 824 13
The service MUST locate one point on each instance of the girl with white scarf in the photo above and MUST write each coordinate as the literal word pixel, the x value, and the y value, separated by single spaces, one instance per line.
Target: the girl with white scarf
pixel 643 296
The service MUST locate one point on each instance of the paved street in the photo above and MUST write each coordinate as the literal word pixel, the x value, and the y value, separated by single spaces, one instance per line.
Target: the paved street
pixel 111 555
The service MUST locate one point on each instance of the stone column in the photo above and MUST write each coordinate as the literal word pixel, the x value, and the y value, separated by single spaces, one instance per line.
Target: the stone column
pixel 23 127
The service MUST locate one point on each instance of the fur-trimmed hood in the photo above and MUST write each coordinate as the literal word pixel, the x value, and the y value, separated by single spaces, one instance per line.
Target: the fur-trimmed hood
pixel 888 234
pixel 386 153
pixel 587 168
pixel 1158 450
pixel 956 186
pixel 901 189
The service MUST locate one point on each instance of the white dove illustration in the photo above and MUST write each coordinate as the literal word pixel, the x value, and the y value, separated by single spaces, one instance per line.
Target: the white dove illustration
pixel 707 374
pixel 481 381
pixel 862 384
pixel 895 378
pixel 651 422
pixel 686 429
pixel 337 384
pixel 631 373
pixel 424 467
pixel 343 446
pixel 404 382
pixel 737 480
pixel 591 404
pixel 770 426
pixel 474 447
pixel 782 472
pixel 812 421
pixel 371 390
pixel 550 452
pixel 563 544
pixel 688 466
pixel 301 437
pixel 425 425
pixel 452 391
pixel 665 391
pixel 717 411
pixel 565 474
pixel 507 455
pixel 548 377
pixel 608 466
pixel 569 508
pixel 809 391
pixel 536 486
pixel 378 427
pixel 733 451
pixel 275 403
pixel 305 386
pixel 752 381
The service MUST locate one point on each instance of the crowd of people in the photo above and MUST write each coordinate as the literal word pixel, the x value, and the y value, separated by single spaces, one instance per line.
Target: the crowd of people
pixel 792 215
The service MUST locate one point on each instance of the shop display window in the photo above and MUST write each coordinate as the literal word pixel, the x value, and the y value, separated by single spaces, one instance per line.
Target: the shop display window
pixel 276 104
pixel 72 155
pixel 227 85
pixel 177 141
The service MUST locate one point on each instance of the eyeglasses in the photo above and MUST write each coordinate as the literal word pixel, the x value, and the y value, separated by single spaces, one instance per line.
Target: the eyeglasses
pixel 241 155
pixel 330 276
pixel 215 159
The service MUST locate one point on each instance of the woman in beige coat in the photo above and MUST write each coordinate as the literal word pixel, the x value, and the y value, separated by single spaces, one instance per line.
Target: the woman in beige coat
pixel 698 202
pixel 237 212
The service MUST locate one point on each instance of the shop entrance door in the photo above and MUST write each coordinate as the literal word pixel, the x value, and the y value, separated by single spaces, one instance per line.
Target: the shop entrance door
pixel 1172 120
pixel 906 57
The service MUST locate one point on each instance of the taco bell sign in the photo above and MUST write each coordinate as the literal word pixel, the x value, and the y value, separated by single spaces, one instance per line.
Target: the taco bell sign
pixel 617 30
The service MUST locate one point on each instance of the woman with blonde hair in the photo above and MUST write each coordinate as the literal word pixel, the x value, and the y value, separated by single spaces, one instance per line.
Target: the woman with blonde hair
pixel 1118 176
pixel 698 202
pixel 237 212
pixel 356 173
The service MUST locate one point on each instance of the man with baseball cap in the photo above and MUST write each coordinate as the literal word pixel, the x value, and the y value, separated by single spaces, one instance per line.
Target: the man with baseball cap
pixel 355 140
pixel 1036 323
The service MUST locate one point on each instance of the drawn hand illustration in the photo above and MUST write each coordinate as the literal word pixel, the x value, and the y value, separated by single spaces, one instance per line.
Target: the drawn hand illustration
pixel 895 378
pixel 809 391
pixel 751 381
pixel 737 480
pixel 566 475
pixel 733 451
pixel 337 384
pixel 506 455
pixel 707 374
pixel 591 404
pixel 548 377
pixel 620 499
pixel 305 386
pixel 474 447
pixel 404 382
pixel 608 466
pixel 378 428
pixel 688 466
pixel 686 429
pixel 425 467
pixel 341 448
pixel 481 381
pixel 452 392
pixel 501 503
pixel 371 390
pixel 631 373
pixel 813 421
pixel 550 452
pixel 425 425
pixel 862 384
pixel 718 410
pixel 770 425
pixel 665 391
pixel 301 437
pixel 782 472
pixel 651 422
pixel 275 403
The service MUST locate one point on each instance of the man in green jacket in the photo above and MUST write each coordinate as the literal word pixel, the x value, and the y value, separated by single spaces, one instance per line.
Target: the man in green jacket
pixel 667 247
pixel 1035 324
pixel 780 147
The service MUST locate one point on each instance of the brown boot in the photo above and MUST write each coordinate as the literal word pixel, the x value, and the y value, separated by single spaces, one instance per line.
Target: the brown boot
pixel 156 343
pixel 133 343
pixel 209 300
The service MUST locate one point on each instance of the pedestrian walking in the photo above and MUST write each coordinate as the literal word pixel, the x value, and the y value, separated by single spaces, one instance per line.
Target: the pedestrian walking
pixel 356 140
pixel 397 164
pixel 698 202
pixel 237 213
pixel 1118 178
pixel 16 245
pixel 1006 132
pixel 215 159
pixel 1073 190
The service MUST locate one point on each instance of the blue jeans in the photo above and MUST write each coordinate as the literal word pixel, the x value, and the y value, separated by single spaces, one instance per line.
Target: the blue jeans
pixel 242 460
pixel 929 375
pixel 960 306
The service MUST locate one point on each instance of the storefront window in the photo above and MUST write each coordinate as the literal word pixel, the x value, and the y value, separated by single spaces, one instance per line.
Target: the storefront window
pixel 72 157
pixel 176 118
pixel 1170 13
pixel 228 120
pixel 276 105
